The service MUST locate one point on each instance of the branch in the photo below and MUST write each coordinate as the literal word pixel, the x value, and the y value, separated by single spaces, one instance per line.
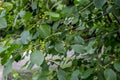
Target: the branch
pixel 96 18
pixel 86 7
pixel 116 18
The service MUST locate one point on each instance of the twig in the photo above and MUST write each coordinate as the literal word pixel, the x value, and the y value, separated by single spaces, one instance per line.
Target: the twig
pixel 96 18
pixel 116 18
pixel 86 7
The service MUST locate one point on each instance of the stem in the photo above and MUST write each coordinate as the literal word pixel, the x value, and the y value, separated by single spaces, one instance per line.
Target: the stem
pixel 116 18
pixel 86 7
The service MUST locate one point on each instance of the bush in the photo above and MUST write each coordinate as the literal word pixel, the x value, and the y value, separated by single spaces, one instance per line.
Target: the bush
pixel 68 39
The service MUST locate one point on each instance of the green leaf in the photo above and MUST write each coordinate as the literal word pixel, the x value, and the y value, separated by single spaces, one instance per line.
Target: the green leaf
pixel 44 30
pixel 115 10
pixel 75 75
pixel 117 66
pixel 53 14
pixel 27 15
pixel 3 23
pixel 55 26
pixel 25 37
pixel 117 2
pixel 62 75
pixel 75 20
pixel 68 10
pixel 87 73
pixel 78 48
pixel 7 68
pixel 30 66
pixel 110 74
pixel 78 40
pixel 37 57
pixel 8 6
pixel 99 3
pixel 59 47
pixel 100 75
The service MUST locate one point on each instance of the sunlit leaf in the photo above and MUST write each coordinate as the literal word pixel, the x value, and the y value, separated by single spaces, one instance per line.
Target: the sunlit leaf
pixel 8 6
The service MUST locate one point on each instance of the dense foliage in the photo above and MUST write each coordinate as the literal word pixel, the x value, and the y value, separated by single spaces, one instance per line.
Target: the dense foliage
pixel 69 39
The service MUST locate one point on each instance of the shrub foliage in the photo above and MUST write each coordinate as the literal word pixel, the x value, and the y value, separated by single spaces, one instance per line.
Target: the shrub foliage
pixel 68 39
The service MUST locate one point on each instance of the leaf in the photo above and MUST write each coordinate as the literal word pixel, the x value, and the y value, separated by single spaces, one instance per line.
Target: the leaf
pixel 44 30
pixel 75 75
pixel 100 75
pixel 81 26
pixel 62 75
pixel 8 6
pixel 78 40
pixel 66 65
pixel 87 73
pixel 110 74
pixel 75 20
pixel 29 67
pixel 22 13
pixel 7 68
pixel 3 13
pixel 78 48
pixel 6 56
pixel 115 10
pixel 117 66
pixel 55 26
pixel 68 10
pixel 99 3
pixel 117 2
pixel 27 15
pixel 34 5
pixel 59 47
pixel 2 49
pixel 37 57
pixel 25 37
pixel 3 23
pixel 18 41
pixel 53 14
